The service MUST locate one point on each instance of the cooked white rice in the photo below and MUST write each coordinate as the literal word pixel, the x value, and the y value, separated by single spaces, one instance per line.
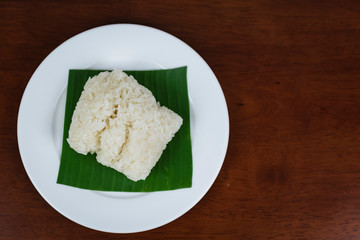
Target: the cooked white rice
pixel 120 121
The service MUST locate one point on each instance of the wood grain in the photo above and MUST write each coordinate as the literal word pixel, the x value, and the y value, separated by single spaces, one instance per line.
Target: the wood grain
pixel 290 72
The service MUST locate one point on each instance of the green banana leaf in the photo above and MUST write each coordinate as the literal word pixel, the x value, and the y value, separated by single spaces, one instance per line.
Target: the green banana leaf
pixel 174 168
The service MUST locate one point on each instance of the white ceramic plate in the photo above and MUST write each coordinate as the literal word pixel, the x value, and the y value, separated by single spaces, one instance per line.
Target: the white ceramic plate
pixel 41 116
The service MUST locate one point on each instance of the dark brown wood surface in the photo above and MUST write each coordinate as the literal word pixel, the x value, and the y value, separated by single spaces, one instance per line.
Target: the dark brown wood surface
pixel 290 72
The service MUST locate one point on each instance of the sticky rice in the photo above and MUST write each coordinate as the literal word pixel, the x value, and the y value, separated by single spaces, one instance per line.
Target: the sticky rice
pixel 120 121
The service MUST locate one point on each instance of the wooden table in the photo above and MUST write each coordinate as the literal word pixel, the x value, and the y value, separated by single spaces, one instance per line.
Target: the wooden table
pixel 290 72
